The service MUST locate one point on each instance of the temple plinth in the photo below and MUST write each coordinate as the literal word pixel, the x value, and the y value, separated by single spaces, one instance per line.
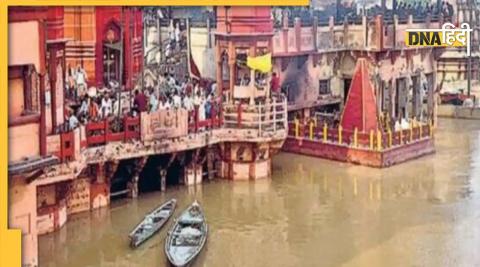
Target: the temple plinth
pixel 362 136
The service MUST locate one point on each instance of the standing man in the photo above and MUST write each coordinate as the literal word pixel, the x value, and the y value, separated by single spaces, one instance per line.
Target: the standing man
pixel 153 101
pixel 275 85
pixel 106 106
pixel 140 101
pixel 81 81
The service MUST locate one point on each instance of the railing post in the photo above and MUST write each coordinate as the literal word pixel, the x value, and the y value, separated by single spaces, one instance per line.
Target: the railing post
pixel 371 139
pixel 311 130
pixel 401 136
pixel 212 116
pixel 420 132
pixel 196 118
pixel 260 119
pixel 325 132
pixel 105 129
pixel 239 114
pixel 389 138
pixel 379 140
pixel 220 116
pixel 430 126
pixel 355 137
pixel 296 122
pixel 411 132
pixel 125 128
pixel 274 105
pixel 340 134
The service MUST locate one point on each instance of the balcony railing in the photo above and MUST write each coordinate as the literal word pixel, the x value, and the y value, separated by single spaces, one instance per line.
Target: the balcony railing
pixel 102 132
pixel 265 117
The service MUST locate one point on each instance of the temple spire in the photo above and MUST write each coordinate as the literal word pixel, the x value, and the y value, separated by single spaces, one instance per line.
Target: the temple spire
pixel 360 108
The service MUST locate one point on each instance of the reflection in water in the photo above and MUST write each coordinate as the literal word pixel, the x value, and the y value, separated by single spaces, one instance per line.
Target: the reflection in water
pixel 312 212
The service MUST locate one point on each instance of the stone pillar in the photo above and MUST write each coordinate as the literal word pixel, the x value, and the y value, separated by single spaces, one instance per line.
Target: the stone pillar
pixel 100 178
pixel 315 33
pixel 365 31
pixel 285 32
pixel 163 180
pixel 379 31
pixel 193 174
pixel 298 32
pixel 133 187
pixel 210 163
pixel 395 27
pixel 133 184
pixel 331 26
pixel 232 68
pixel 246 162
pixel 99 189
pixel 218 93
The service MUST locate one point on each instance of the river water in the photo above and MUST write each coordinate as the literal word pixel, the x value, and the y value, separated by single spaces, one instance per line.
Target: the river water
pixel 312 212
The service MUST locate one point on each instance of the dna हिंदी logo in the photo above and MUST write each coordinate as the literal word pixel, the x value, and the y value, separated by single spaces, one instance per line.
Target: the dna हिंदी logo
pixel 448 35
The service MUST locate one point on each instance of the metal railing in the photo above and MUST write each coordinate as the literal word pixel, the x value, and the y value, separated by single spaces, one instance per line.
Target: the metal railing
pixel 266 117
pixel 372 140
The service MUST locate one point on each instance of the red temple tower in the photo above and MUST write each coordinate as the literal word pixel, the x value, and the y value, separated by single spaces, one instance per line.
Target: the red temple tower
pixel 360 109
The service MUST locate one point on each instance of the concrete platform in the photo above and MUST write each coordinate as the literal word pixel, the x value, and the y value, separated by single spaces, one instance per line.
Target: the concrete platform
pixel 379 159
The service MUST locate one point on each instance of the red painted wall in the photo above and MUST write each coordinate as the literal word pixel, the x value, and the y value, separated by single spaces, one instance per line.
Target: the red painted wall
pixel 17 14
pixel 133 59
pixel 244 19
pixel 55 23
pixel 365 157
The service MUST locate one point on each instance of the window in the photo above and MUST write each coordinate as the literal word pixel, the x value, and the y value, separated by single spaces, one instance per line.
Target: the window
pixel 324 87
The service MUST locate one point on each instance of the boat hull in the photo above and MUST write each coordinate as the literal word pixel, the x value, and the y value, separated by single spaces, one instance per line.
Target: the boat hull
pixel 176 242
pixel 163 213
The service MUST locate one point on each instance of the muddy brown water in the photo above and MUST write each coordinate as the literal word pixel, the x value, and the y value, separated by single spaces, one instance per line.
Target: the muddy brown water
pixel 312 212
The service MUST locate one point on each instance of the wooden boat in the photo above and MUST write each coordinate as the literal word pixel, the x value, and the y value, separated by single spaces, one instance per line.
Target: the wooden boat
pixel 187 237
pixel 152 223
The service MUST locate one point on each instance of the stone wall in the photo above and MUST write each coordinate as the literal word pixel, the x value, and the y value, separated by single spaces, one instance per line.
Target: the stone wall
pixel 361 156
pixel 23 215
pixel 78 196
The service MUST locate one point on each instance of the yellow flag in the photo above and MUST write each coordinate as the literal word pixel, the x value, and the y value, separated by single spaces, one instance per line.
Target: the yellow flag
pixel 261 63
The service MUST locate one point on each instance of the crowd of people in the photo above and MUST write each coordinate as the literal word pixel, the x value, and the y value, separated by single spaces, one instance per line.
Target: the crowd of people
pixel 96 105
pixel 351 11
pixel 420 10
pixel 76 82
